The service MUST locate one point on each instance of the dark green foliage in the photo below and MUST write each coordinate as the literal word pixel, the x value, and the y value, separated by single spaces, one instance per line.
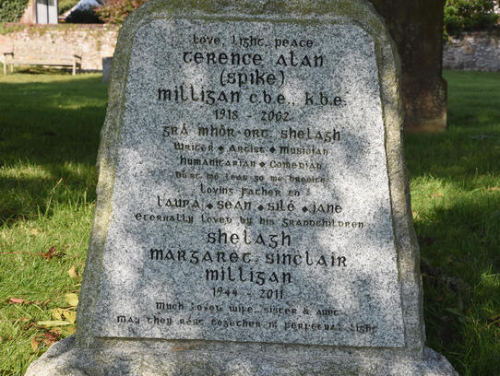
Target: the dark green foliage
pixel 86 16
pixel 12 10
pixel 468 15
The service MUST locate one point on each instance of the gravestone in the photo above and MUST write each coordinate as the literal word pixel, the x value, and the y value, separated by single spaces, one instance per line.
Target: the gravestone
pixel 253 214
pixel 106 69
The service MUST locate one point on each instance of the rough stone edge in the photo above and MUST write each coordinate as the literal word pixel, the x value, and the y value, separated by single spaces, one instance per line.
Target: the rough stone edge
pixel 65 359
pixel 249 10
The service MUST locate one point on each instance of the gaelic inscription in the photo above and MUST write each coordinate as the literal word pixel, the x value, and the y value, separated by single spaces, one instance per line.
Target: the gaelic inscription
pixel 251 198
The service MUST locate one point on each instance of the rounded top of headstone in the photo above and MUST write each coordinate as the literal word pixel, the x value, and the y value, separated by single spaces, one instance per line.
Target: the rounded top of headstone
pixel 360 10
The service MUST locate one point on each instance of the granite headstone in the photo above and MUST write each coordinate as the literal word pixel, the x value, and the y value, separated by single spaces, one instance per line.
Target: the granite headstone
pixel 106 69
pixel 253 213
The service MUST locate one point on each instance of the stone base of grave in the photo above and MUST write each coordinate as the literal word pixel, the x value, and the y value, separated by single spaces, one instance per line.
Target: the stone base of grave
pixel 65 359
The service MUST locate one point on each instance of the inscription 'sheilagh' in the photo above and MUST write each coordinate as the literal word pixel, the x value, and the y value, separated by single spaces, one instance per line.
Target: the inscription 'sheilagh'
pixel 251 198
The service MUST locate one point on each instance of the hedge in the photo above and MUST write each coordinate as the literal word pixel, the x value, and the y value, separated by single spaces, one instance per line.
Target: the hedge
pixel 12 10
pixel 469 15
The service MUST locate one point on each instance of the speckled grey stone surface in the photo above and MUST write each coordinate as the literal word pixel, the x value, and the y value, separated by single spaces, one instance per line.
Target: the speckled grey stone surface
pixel 64 359
pixel 253 211
pixel 315 267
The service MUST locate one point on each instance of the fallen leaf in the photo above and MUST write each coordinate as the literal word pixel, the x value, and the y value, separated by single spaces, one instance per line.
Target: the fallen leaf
pixel 71 316
pixel 22 301
pixel 49 254
pixel 64 314
pixel 53 323
pixel 57 313
pixel 50 337
pixel 73 274
pixel 16 301
pixel 35 344
pixel 72 299
pixel 34 232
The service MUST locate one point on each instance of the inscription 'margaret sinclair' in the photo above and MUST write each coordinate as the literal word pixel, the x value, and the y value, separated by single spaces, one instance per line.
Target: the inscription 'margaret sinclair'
pixel 251 191
pixel 306 258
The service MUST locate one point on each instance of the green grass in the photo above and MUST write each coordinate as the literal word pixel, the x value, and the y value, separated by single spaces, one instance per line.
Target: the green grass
pixel 455 185
pixel 49 128
pixel 49 134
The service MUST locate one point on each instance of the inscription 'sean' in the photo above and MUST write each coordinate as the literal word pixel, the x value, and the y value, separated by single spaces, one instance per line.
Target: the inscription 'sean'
pixel 251 197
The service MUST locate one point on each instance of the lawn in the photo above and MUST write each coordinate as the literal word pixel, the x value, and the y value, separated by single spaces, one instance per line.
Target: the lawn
pixel 49 134
pixel 455 186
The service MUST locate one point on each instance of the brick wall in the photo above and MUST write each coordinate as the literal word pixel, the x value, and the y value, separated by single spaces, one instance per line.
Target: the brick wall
pixel 93 42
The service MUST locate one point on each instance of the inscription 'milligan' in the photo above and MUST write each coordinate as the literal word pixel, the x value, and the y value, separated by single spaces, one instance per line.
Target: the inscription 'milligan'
pixel 248 275
pixel 194 94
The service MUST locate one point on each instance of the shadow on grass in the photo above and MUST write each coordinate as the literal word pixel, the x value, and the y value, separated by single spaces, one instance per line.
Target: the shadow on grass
pixel 471 145
pixel 458 154
pixel 39 70
pixel 48 142
pixel 461 274
pixel 455 179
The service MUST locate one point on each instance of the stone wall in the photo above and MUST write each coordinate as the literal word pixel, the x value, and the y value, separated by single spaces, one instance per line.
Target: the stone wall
pixel 92 42
pixel 479 51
